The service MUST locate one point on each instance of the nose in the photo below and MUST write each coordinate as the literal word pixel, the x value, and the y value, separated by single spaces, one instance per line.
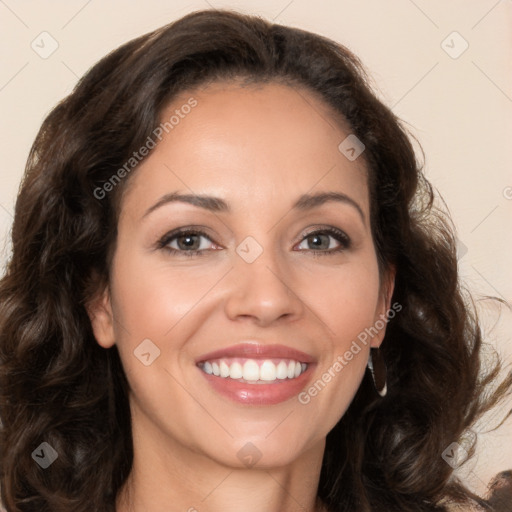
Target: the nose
pixel 262 291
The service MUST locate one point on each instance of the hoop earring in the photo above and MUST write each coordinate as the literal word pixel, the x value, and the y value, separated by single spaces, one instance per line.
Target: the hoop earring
pixel 377 367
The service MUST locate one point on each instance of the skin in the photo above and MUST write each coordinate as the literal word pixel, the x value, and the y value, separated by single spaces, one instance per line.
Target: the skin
pixel 259 149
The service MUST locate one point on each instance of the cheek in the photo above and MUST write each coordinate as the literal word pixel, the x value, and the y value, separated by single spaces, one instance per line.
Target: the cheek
pixel 346 299
pixel 156 303
pixel 151 300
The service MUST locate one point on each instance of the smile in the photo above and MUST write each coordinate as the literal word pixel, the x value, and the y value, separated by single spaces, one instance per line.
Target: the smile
pixel 255 371
pixel 252 373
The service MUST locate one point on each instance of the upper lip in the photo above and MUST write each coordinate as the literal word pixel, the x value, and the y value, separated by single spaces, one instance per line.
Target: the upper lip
pixel 258 351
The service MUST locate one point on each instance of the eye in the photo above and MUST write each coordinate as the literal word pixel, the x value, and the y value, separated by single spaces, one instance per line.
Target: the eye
pixel 191 242
pixel 328 241
pixel 186 242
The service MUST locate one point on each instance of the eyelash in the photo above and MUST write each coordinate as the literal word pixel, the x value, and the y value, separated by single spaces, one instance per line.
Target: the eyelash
pixel 340 236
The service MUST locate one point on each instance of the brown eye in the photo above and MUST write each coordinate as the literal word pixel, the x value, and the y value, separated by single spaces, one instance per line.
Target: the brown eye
pixel 185 242
pixel 319 241
pixel 326 241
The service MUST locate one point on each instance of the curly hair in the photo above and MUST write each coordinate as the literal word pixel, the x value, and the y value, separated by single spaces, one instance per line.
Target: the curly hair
pixel 57 385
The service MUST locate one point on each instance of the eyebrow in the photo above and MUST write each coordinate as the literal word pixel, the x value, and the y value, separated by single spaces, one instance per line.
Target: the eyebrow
pixel 218 205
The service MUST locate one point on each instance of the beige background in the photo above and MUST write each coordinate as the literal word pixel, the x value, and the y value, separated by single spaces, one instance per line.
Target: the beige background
pixel 459 108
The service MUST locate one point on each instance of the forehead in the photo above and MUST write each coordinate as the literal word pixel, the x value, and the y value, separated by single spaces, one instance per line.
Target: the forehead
pixel 265 142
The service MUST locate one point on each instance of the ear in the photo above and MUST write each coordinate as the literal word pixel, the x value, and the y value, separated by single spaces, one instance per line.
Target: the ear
pixel 100 313
pixel 384 305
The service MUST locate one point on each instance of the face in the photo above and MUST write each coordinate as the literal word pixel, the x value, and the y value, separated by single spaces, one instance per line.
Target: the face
pixel 265 274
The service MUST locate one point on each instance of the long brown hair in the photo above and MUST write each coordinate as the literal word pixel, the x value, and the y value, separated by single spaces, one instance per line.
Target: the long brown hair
pixel 58 386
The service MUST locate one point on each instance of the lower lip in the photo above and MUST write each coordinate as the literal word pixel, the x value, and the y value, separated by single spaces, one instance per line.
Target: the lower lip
pixel 259 394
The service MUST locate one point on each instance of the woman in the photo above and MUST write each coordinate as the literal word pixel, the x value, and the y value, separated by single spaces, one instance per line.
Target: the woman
pixel 218 232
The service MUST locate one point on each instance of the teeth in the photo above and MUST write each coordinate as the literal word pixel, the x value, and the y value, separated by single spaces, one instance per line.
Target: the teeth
pixel 254 369
pixel 251 370
pixel 291 369
pixel 268 371
pixel 235 371
pixel 282 370
pixel 224 369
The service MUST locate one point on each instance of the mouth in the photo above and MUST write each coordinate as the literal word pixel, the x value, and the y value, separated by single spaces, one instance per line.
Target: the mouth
pixel 255 374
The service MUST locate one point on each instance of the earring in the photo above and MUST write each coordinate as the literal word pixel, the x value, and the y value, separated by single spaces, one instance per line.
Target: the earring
pixel 377 367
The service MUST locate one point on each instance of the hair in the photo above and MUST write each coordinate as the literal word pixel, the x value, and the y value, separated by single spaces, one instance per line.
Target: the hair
pixel 57 385
pixel 501 492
